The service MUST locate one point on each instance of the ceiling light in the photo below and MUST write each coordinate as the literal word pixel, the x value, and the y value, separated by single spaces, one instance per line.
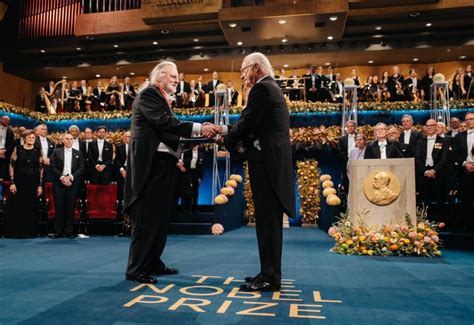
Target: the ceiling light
pixel 448 50
pixel 165 31
pixel 155 43
pixel 232 25
pixel 378 27
pixel 414 14
pixel 78 48
pixel 115 45
pixel 462 57
pixel 63 77
pixel 330 38
pixel 415 59
pixel 132 73
pixel 197 47
pixel 97 75
pixel 206 69
pixel 239 43
pixel 327 63
pixel 377 36
pixel 196 40
pixel 282 21
pixel 429 24
pixel 284 40
pixel 42 51
pixel 285 66
pixel 333 18
pixel 370 61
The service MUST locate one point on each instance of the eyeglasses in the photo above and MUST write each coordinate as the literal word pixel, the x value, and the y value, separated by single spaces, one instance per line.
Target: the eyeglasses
pixel 246 67
pixel 470 119
pixel 430 125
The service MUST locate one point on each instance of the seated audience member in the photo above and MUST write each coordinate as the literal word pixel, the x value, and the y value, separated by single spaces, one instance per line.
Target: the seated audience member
pixel 26 174
pixel 430 159
pixel 67 167
pixel 382 148
pixel 101 157
pixel 464 157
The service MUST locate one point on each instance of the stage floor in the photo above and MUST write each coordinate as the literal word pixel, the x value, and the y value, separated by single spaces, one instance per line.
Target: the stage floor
pixel 81 281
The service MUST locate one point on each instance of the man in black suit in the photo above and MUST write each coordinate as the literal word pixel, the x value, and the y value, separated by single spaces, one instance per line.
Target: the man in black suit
pixel 101 158
pixel 211 88
pixel 6 146
pixel 409 136
pixel 454 124
pixel 412 85
pixel 40 101
pixel 84 146
pixel 263 129
pixel 393 134
pixel 346 144
pixel 464 156
pixel 67 168
pixel 121 164
pixel 47 147
pixel 129 93
pixel 151 176
pixel 430 159
pixel 232 94
pixel 382 148
pixel 183 90
pixel 193 162
pixel 311 83
pixel 100 95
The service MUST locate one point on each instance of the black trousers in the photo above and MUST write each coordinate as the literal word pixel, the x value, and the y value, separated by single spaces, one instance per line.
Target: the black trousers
pixel 101 178
pixel 269 221
pixel 65 203
pixel 150 215
pixel 465 194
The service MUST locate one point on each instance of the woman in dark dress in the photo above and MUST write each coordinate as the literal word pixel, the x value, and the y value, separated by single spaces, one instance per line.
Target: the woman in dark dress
pixel 26 173
pixel 426 84
pixel 113 94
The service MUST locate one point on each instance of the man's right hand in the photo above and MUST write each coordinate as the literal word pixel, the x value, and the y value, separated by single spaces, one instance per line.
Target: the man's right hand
pixel 208 130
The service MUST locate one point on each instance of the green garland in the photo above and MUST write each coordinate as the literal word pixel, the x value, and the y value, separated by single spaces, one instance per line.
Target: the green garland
pixel 294 107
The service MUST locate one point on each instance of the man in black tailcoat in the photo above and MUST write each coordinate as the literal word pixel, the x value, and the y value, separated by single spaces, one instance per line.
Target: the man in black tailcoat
pixel 67 167
pixel 152 173
pixel 263 129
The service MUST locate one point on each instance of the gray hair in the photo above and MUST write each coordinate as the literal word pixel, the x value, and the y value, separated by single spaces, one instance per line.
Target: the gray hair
pixel 262 61
pixel 73 127
pixel 408 116
pixel 158 69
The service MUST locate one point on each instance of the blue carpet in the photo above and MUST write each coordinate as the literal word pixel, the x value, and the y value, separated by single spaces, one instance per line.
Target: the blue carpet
pixel 81 281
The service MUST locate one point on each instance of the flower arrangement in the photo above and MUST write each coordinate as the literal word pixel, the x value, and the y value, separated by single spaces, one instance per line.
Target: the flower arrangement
pixel 250 208
pixel 329 192
pixel 402 239
pixel 308 189
pixel 294 107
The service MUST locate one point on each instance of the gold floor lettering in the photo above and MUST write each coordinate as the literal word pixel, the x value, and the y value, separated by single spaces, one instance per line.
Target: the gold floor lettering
pixel 208 291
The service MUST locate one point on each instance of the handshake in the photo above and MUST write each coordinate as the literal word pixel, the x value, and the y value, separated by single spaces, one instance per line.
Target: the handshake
pixel 210 131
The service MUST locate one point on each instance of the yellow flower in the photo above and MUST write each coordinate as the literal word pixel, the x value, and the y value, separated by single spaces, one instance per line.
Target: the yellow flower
pixel 362 238
pixel 370 252
pixel 437 253
pixel 349 242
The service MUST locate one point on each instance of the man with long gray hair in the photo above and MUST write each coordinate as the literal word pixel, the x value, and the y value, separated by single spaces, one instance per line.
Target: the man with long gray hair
pixel 151 175
pixel 263 128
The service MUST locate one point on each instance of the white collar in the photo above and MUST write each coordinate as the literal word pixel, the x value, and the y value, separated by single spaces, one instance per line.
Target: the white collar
pixel 382 142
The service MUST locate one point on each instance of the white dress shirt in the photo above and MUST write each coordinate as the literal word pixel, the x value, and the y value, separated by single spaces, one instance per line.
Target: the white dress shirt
pixel 181 87
pixel 350 143
pixel 44 146
pixel 75 144
pixel 67 168
pixel 100 145
pixel 3 136
pixel 383 149
pixel 470 146
pixel 430 141
pixel 454 132
pixel 406 138
pixel 194 159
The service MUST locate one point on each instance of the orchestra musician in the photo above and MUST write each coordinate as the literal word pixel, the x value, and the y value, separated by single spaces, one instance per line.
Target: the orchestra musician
pixel 232 94
pixel 74 98
pixel 100 96
pixel 128 93
pixel 40 103
pixel 211 87
pixel 396 85
pixel 90 102
pixel 426 84
pixel 412 86
pixel 113 95
pixel 183 90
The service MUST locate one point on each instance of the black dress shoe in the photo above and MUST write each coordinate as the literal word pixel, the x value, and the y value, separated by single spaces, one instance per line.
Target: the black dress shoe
pixel 260 285
pixel 165 271
pixel 142 278
pixel 252 279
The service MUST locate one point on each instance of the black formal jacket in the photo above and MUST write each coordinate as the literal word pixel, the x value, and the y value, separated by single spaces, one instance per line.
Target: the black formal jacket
pixel 234 96
pixel 107 153
pixel 50 146
pixel 439 155
pixel 57 165
pixel 266 118
pixel 102 97
pixel 152 122
pixel 393 150
pixel 210 86
pixel 187 87
pixel 188 156
pixel 9 145
pixel 460 148
pixel 121 157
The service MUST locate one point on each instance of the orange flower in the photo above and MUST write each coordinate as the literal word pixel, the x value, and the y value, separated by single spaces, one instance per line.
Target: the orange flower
pixel 393 247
